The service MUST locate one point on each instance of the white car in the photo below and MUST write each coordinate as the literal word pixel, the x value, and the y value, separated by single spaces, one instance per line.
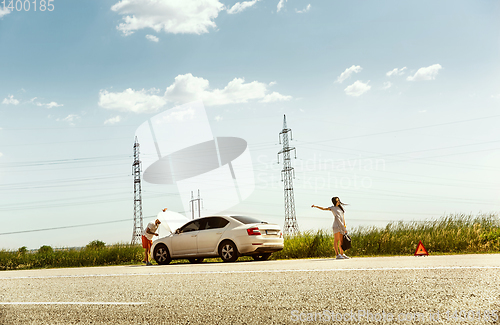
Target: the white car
pixel 227 237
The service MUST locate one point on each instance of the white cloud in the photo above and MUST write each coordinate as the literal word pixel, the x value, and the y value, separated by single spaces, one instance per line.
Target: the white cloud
pixel 71 118
pixel 306 9
pixel 180 116
pixel 10 100
pixel 186 114
pixel 281 4
pixel 53 104
pixel 113 120
pixel 240 6
pixel 1 154
pixel 218 118
pixel 32 100
pixel 427 73
pixel 347 73
pixel 396 72
pixel 152 38
pixel 4 11
pixel 48 105
pixel 387 85
pixel 358 88
pixel 187 88
pixel 130 100
pixel 275 97
pixel 171 16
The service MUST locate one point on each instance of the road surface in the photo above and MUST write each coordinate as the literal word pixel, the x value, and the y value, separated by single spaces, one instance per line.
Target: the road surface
pixel 452 289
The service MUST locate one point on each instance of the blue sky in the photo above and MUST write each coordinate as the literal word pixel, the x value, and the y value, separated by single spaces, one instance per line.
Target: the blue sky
pixel 394 107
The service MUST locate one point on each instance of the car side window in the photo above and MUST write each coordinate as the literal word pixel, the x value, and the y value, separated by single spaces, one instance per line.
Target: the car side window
pixel 192 226
pixel 216 222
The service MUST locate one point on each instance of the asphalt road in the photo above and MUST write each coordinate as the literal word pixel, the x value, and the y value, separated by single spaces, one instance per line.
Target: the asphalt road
pixel 462 289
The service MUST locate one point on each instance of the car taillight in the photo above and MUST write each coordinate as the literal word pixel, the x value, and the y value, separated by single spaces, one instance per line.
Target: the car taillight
pixel 253 231
pixel 281 234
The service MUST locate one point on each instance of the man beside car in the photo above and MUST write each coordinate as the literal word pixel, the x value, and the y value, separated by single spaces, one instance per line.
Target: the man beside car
pixel 147 238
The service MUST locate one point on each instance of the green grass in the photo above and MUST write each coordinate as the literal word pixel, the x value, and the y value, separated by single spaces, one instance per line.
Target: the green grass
pixel 453 234
pixel 46 257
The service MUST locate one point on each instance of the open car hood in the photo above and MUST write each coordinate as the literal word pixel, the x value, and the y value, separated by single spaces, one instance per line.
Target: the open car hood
pixel 170 221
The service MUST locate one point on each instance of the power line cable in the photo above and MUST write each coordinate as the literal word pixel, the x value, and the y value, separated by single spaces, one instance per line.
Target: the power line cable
pixel 70 226
pixel 63 227
pixel 409 129
pixel 61 142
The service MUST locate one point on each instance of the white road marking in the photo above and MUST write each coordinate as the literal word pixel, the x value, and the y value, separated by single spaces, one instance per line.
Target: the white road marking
pixel 70 303
pixel 256 271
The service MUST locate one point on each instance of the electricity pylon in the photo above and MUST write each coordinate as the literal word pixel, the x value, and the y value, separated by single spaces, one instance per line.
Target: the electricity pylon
pixel 136 170
pixel 287 174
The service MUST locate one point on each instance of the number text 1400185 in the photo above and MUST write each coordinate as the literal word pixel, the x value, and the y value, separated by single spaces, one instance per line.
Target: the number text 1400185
pixel 27 5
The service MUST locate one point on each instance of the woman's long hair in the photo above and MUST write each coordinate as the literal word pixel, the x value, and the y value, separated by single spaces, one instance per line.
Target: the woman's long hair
pixel 336 199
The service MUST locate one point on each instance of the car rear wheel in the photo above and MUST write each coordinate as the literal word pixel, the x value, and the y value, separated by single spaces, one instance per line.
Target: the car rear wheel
pixel 263 257
pixel 228 251
pixel 195 260
pixel 161 254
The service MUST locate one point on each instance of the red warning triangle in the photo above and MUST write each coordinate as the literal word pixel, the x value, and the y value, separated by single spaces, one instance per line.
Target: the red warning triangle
pixel 421 249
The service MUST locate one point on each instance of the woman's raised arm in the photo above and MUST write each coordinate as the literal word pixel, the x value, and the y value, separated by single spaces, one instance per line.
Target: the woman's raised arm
pixel 315 206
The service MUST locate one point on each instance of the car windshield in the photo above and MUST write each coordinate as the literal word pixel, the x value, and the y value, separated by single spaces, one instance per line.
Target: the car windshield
pixel 192 226
pixel 246 220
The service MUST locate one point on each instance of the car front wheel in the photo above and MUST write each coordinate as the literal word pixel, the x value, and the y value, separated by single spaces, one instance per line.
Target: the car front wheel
pixel 228 252
pixel 161 254
pixel 263 257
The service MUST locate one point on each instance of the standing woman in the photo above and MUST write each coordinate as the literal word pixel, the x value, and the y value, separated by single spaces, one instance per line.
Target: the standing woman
pixel 339 228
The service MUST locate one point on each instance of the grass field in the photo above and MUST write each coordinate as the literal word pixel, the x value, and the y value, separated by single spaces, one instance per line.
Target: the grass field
pixel 94 254
pixel 453 234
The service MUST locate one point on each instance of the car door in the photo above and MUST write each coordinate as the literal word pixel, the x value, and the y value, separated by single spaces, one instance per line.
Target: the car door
pixel 210 235
pixel 185 242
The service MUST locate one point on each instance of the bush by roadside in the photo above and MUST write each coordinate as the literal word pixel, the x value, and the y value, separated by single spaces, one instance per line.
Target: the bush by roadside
pixel 458 234
pixel 94 254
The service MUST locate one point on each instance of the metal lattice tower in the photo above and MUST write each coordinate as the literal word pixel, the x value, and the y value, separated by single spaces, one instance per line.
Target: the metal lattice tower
pixel 136 170
pixel 287 174
pixel 195 205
